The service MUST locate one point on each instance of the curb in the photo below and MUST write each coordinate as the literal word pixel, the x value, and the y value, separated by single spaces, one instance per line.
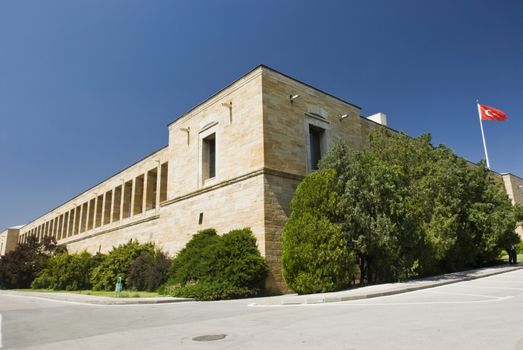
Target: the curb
pixel 406 289
pixel 89 299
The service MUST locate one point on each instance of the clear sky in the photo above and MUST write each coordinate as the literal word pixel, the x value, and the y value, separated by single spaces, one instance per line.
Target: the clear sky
pixel 87 87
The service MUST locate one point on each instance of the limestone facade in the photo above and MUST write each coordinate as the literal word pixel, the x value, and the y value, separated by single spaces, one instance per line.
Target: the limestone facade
pixel 8 239
pixel 514 187
pixel 233 161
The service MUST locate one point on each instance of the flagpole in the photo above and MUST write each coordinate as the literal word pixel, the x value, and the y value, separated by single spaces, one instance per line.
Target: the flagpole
pixel 483 134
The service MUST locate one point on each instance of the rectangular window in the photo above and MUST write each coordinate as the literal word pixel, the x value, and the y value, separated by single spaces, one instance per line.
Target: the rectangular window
pixel 315 141
pixel 209 157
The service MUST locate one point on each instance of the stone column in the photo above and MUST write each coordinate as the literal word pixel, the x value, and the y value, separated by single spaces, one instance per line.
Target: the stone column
pixel 158 182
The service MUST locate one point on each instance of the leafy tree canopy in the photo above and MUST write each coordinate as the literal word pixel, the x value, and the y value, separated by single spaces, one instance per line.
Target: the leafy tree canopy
pixel 405 208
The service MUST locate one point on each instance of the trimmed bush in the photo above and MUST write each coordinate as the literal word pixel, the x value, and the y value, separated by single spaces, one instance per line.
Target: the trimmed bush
pixel 117 264
pixel 67 272
pixel 148 271
pixel 211 267
pixel 207 291
pixel 195 261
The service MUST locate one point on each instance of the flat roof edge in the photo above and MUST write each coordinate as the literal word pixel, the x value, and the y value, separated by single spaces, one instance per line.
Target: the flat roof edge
pixel 250 72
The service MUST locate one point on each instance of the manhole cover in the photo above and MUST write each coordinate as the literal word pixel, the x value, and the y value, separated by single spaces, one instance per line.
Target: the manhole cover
pixel 209 337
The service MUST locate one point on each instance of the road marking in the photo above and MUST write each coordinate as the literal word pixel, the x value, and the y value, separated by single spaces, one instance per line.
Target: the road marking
pixel 370 303
pixel 493 287
pixel 429 302
pixel 92 304
pixel 463 294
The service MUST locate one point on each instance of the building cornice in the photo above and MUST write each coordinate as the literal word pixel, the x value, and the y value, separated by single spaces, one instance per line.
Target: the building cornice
pixel 263 171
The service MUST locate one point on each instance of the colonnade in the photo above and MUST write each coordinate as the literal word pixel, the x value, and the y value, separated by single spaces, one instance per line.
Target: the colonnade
pixel 133 197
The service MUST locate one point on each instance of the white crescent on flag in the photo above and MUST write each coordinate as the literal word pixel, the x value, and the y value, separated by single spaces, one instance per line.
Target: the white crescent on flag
pixel 491 113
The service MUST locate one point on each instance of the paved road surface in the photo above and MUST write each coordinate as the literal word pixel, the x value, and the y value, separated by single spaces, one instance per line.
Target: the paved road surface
pixel 485 313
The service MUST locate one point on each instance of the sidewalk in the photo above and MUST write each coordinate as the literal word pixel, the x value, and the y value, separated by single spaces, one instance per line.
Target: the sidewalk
pixel 381 290
pixel 374 291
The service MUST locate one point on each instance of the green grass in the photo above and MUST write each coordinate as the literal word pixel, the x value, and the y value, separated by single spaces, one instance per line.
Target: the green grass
pixel 504 257
pixel 98 293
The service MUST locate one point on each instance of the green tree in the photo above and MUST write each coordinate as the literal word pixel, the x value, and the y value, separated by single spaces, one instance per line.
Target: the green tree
pixel 19 267
pixel 67 271
pixel 315 254
pixel 405 208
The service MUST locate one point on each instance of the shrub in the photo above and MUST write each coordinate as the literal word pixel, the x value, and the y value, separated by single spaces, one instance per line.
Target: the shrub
pixel 148 271
pixel 316 257
pixel 211 267
pixel 117 264
pixel 239 261
pixel 67 272
pixel 19 267
pixel 206 290
pixel 195 261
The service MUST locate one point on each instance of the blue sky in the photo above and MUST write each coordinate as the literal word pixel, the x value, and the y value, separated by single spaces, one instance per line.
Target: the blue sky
pixel 87 87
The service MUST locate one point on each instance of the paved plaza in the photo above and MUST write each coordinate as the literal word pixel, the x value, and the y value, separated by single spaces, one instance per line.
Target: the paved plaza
pixel 483 313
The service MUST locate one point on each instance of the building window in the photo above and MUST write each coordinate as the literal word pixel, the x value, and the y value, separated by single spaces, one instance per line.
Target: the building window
pixel 316 136
pixel 209 157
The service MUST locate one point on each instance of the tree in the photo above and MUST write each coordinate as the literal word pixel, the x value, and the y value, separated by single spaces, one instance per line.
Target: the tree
pixel 405 208
pixel 19 267
pixel 315 254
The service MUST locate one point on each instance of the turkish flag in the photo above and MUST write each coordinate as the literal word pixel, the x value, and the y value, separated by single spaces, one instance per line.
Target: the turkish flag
pixel 490 113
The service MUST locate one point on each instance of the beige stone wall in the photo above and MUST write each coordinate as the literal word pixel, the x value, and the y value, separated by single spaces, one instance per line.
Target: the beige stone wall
pixel 279 189
pixel 239 137
pixel 103 240
pixel 514 187
pixel 286 123
pixel 8 240
pixel 232 205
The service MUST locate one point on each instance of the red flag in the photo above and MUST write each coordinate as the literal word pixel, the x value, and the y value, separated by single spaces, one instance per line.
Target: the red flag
pixel 490 113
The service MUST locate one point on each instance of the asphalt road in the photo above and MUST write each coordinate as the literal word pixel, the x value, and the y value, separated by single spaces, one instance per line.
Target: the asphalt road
pixel 486 313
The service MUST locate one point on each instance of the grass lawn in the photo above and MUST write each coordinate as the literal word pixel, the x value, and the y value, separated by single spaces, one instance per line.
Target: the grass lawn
pixel 504 257
pixel 99 293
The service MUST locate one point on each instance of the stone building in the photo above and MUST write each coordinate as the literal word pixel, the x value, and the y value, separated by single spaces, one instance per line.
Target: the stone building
pixel 9 239
pixel 233 161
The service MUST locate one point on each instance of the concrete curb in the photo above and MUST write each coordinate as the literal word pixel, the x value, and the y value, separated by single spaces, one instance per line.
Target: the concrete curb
pixel 397 287
pixel 95 300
